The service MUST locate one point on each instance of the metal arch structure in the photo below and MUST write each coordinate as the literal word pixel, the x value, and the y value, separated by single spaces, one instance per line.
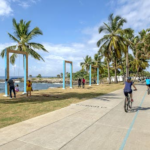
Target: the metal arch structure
pixel 64 72
pixel 90 75
pixel 25 60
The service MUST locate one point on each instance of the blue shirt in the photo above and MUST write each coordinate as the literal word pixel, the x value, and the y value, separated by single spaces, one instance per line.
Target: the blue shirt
pixel 128 86
pixel 147 81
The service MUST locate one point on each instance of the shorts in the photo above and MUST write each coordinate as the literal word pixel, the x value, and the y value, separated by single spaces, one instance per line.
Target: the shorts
pixel 148 85
pixel 16 90
pixel 126 93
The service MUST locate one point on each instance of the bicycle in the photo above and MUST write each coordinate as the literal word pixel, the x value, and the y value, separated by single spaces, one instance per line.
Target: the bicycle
pixel 127 103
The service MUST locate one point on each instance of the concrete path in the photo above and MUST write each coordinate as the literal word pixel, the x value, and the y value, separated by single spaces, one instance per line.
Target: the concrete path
pixel 95 124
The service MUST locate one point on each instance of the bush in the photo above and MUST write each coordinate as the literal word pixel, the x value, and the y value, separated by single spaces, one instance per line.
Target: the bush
pixel 39 76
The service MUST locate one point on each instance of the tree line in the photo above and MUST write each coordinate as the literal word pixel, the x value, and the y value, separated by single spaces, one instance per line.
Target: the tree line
pixel 114 47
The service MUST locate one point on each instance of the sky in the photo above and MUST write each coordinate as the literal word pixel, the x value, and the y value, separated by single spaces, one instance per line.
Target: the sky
pixel 70 29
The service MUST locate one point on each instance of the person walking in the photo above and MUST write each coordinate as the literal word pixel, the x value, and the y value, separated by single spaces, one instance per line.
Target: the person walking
pixel 11 87
pixel 29 88
pixel 79 82
pixel 83 82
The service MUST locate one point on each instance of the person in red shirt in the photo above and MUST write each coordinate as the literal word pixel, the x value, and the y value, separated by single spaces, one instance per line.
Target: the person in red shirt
pixel 83 82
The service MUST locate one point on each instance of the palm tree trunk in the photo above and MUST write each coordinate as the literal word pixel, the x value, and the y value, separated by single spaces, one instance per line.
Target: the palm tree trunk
pixel 108 72
pixel 116 81
pixel 123 72
pixel 124 75
pixel 127 63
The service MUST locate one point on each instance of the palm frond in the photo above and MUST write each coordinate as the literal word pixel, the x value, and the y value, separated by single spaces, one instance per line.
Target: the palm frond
pixel 13 58
pixel 35 32
pixel 37 46
pixel 120 23
pixel 16 28
pixel 102 28
pixel 34 54
pixel 104 39
pixel 10 47
pixel 13 38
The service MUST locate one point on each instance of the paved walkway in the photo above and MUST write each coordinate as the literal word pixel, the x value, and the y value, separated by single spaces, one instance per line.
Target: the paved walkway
pixel 95 124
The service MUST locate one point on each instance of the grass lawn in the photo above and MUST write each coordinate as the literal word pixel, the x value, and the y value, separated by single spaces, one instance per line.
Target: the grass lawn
pixel 44 101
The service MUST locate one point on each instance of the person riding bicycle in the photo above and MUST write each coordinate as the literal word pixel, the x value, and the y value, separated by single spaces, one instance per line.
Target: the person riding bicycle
pixel 147 82
pixel 128 89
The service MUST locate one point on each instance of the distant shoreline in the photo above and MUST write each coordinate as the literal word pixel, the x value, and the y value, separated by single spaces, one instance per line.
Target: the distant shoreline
pixel 44 80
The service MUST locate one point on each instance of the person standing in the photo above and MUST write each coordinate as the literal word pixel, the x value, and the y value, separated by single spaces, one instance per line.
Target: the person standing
pixel 11 87
pixel 79 82
pixel 29 88
pixel 83 82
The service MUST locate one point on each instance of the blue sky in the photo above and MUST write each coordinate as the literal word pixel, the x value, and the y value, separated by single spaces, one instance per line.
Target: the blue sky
pixel 70 28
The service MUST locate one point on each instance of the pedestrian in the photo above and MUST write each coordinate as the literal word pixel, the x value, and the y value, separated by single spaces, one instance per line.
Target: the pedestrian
pixel 11 87
pixel 94 81
pixel 29 88
pixel 79 82
pixel 83 82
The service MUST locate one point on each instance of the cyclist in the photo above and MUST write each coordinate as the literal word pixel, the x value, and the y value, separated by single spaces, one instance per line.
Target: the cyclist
pixel 128 89
pixel 147 82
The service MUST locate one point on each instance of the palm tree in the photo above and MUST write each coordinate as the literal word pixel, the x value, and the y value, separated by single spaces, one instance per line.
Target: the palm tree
pixel 61 74
pixel 22 36
pixel 113 38
pixel 140 52
pixel 86 64
pixel 104 52
pixel 30 76
pixel 128 35
pixel 58 76
pixel 121 66
pixel 97 63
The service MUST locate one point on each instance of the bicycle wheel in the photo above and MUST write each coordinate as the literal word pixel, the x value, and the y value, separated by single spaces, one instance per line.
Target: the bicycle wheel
pixel 129 103
pixel 126 105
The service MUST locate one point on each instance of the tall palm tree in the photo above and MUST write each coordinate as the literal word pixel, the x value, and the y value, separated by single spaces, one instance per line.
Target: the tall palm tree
pixel 86 64
pixel 97 63
pixel 128 35
pixel 141 55
pixel 104 52
pixel 113 38
pixel 22 36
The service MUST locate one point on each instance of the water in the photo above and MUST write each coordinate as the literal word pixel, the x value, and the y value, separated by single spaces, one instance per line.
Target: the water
pixel 2 77
pixel 35 86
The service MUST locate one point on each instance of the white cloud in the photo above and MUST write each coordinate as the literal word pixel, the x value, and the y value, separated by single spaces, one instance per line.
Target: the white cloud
pixel 25 3
pixel 5 8
pixel 54 59
pixel 137 13
pixel 6 5
pixel 4 45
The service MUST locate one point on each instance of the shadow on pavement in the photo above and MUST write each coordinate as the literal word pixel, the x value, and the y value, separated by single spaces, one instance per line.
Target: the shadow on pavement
pixel 135 109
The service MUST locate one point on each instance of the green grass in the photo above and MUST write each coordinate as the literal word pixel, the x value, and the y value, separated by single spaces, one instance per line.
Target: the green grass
pixel 23 108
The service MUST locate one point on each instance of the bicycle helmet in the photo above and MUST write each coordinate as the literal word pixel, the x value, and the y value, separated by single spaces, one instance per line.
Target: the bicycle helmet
pixel 128 78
